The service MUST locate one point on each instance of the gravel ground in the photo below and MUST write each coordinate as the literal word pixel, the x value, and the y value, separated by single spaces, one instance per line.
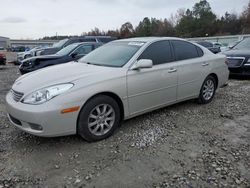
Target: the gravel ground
pixel 184 145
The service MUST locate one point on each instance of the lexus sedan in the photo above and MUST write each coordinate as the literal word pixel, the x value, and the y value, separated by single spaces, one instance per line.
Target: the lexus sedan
pixel 239 58
pixel 117 81
pixel 72 52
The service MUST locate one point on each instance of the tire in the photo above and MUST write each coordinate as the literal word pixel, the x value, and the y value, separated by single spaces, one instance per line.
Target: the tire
pixel 89 119
pixel 207 91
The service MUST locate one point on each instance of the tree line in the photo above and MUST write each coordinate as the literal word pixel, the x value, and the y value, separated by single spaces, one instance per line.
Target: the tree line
pixel 200 21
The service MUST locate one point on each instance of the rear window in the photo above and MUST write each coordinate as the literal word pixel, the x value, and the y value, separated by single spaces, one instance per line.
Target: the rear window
pixel 200 51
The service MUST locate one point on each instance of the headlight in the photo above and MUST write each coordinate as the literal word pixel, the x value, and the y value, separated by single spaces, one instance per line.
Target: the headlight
pixel 43 95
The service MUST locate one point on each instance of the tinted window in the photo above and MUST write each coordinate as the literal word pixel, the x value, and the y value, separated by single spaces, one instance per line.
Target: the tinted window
pixel 200 51
pixel 158 52
pixel 67 50
pixel 83 50
pixel 184 50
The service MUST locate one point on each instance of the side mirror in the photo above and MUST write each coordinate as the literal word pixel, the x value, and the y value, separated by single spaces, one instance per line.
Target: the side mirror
pixel 142 63
pixel 73 55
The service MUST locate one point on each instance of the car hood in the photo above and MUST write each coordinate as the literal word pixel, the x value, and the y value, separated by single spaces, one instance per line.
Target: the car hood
pixel 65 73
pixel 49 50
pixel 237 53
pixel 42 58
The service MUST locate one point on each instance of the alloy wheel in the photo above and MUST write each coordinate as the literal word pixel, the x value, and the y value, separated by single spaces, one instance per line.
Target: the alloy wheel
pixel 208 90
pixel 101 119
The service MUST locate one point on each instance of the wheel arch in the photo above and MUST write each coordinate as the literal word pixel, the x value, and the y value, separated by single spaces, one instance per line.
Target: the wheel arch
pixel 112 95
pixel 216 79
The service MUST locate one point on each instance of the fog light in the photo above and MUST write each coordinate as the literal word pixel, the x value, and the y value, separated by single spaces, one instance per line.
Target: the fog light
pixel 35 127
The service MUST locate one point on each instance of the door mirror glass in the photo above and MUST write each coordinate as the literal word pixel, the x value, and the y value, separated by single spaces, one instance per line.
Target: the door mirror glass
pixel 142 64
pixel 73 55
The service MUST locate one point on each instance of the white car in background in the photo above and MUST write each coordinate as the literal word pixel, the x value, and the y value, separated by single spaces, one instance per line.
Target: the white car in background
pixel 120 80
pixel 27 54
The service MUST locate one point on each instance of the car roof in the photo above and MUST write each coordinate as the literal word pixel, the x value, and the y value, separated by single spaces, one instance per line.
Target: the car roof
pixel 150 39
pixel 80 43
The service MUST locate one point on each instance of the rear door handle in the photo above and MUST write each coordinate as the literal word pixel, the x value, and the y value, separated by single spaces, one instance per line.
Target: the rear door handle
pixel 171 70
pixel 205 64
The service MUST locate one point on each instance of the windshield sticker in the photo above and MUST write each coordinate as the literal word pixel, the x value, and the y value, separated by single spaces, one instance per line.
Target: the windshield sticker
pixel 136 43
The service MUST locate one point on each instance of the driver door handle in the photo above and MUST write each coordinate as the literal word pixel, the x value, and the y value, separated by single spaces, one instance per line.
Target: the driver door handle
pixel 205 64
pixel 171 70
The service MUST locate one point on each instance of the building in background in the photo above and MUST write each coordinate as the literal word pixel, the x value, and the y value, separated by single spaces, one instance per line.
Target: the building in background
pixel 4 42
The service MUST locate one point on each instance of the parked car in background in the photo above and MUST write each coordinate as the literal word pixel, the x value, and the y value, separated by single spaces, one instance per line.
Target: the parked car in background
pixel 2 59
pixel 117 81
pixel 2 48
pixel 239 58
pixel 222 47
pixel 19 49
pixel 210 46
pixel 65 42
pixel 72 52
pixel 27 54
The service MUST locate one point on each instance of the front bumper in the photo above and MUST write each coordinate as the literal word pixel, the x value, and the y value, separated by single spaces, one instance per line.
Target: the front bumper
pixel 43 120
pixel 244 71
pixel 24 70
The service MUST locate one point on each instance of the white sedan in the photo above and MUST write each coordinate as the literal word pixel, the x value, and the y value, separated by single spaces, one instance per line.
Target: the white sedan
pixel 117 81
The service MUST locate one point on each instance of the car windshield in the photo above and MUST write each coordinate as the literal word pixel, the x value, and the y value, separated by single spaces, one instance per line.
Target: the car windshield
pixel 245 44
pixel 67 50
pixel 115 54
pixel 60 43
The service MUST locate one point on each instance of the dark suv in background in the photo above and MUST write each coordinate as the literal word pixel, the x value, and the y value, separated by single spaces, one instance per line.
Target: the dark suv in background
pixel 239 58
pixel 72 52
pixel 65 42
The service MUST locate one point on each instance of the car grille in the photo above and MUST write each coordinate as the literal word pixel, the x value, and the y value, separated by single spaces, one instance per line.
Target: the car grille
pixel 16 95
pixel 234 62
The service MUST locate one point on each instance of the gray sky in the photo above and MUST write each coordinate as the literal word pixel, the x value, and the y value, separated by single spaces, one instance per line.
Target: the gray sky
pixel 37 18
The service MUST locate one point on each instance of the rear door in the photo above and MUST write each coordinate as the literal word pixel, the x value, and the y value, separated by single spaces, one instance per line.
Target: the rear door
pixel 191 68
pixel 153 87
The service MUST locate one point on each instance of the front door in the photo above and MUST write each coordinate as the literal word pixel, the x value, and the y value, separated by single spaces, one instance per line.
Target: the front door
pixel 151 88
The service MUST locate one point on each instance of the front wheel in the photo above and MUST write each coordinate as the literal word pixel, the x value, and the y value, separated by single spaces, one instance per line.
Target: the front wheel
pixel 207 91
pixel 99 118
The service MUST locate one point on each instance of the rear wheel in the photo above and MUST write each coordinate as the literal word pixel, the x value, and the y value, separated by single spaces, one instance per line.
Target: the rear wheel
pixel 207 91
pixel 99 118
